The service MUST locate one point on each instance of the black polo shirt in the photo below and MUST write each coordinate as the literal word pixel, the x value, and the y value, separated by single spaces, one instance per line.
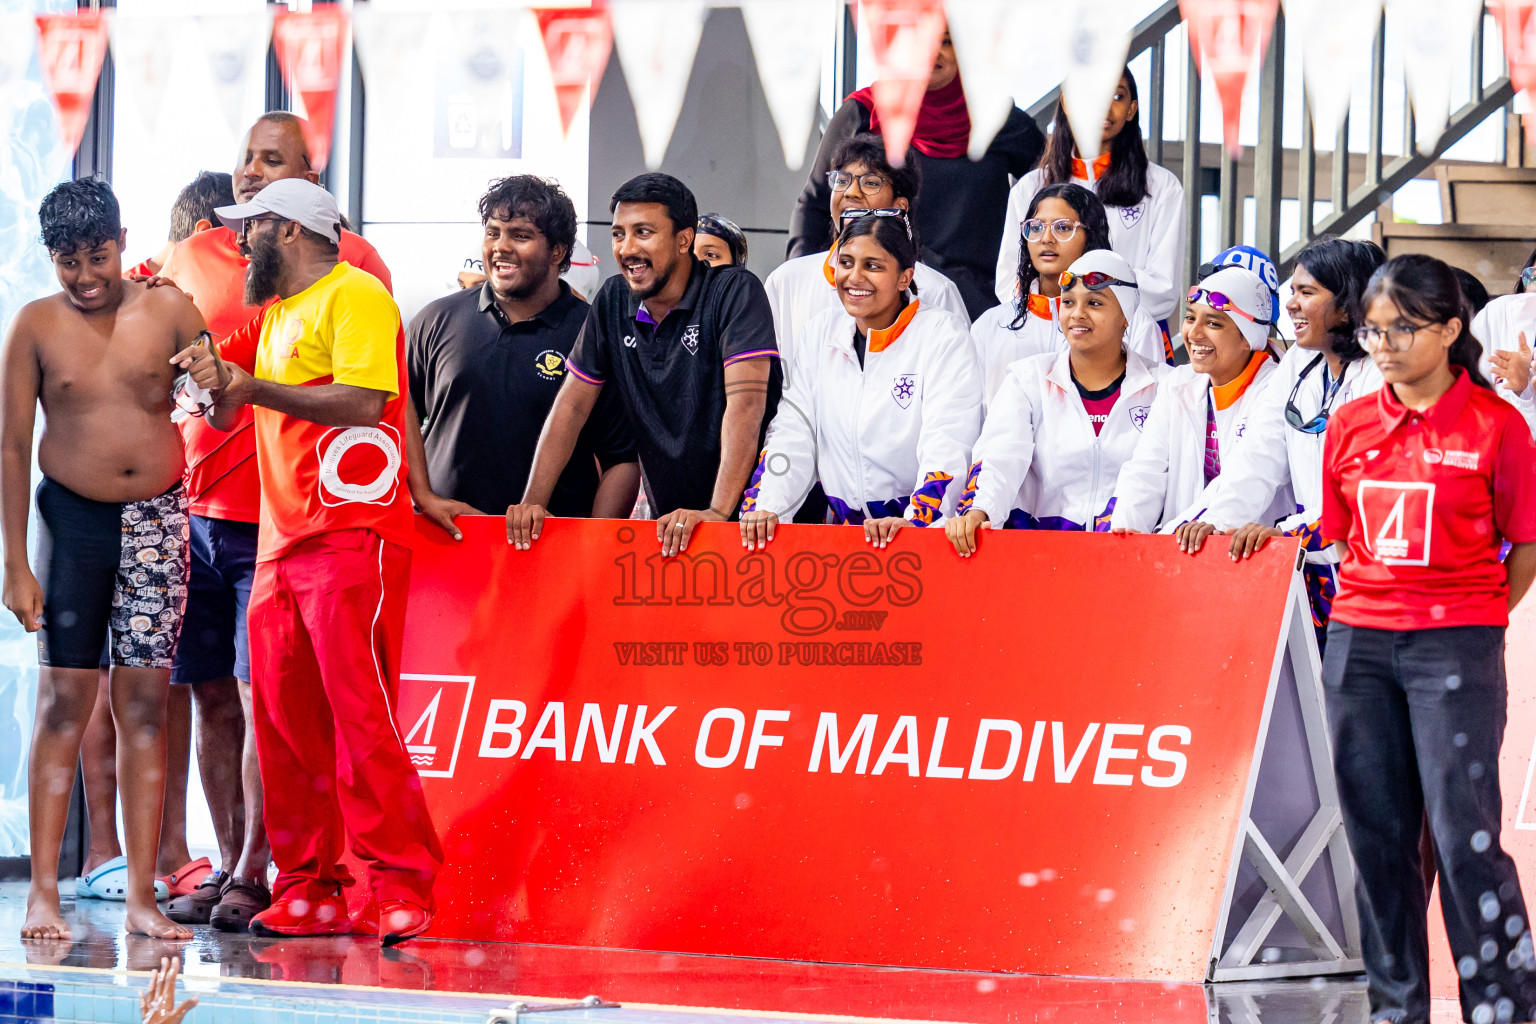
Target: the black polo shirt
pixel 483 386
pixel 671 375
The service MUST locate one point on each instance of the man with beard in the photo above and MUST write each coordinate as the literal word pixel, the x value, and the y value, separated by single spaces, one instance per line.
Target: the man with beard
pixel 690 350
pixel 486 363
pixel 327 608
pixel 112 523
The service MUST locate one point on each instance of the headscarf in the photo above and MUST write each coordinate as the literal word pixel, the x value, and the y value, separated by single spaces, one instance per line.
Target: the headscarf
pixel 943 122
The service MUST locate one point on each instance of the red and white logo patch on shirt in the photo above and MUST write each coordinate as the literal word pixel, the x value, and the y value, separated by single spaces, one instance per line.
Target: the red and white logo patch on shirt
pixel 1397 520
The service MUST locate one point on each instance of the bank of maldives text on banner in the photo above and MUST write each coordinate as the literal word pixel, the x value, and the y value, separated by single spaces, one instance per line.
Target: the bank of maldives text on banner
pixel 1031 760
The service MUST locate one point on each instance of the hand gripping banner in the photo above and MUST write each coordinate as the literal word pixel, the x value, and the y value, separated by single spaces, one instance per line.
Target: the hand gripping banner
pixel 1070 754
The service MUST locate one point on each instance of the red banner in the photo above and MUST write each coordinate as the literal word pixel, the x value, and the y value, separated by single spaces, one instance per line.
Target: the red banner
pixel 577 41
pixel 71 49
pixel 822 751
pixel 1227 38
pixel 309 52
pixel 904 36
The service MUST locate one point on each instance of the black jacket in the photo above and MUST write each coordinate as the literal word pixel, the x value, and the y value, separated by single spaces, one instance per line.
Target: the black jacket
pixel 960 209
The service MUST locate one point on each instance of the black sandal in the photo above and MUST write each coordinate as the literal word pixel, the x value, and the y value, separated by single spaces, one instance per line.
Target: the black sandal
pixel 197 906
pixel 243 899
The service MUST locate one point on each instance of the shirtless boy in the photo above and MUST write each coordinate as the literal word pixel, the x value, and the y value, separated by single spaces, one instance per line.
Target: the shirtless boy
pixel 112 518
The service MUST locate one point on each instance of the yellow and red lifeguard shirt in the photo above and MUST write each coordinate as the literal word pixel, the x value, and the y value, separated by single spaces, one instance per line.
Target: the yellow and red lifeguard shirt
pixel 221 476
pixel 343 329
pixel 1425 501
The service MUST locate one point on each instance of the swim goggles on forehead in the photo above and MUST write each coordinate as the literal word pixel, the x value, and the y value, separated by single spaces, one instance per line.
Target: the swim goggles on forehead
pixel 1222 303
pixel 1528 277
pixel 859 213
pixel 1094 281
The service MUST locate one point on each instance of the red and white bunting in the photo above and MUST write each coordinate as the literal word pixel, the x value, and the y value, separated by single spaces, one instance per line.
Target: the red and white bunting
pixel 904 36
pixel 309 52
pixel 790 39
pixel 1227 38
pixel 1335 41
pixel 1100 36
pixel 577 41
pixel 72 47
pixel 235 46
pixel 989 35
pixel 657 40
pixel 1436 37
pixel 1517 24
pixel 144 49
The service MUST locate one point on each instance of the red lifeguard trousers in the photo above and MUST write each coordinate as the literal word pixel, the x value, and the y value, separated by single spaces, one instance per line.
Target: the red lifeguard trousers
pixel 326 625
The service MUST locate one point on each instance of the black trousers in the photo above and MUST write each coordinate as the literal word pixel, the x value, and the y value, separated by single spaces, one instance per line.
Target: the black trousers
pixel 1417 718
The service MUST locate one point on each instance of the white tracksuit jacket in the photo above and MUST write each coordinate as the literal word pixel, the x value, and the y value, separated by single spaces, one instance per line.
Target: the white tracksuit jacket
pixel 891 439
pixel 998 347
pixel 1149 235
pixel 1038 464
pixel 1163 485
pixel 798 290
pixel 1498 327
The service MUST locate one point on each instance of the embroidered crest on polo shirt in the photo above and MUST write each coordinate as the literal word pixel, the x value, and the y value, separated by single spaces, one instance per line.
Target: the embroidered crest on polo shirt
pixel 549 364
pixel 1131 214
pixel 1139 416
pixel 690 339
pixel 903 388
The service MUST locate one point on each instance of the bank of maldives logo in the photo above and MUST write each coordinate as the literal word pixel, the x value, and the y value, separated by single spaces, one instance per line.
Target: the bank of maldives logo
pixel 1397 518
pixel 431 712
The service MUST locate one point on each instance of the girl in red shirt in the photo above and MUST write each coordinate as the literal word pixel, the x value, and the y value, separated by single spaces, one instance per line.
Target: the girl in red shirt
pixel 1424 482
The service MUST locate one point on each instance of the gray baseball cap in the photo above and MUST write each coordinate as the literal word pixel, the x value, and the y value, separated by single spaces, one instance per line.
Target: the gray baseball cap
pixel 292 199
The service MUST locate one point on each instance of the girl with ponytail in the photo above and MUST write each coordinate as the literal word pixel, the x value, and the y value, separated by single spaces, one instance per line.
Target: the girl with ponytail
pixel 1424 482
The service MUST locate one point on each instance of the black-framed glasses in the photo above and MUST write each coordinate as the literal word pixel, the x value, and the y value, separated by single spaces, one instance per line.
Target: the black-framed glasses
pixel 1319 423
pixel 1397 338
pixel 1061 230
pixel 1094 281
pixel 859 213
pixel 869 184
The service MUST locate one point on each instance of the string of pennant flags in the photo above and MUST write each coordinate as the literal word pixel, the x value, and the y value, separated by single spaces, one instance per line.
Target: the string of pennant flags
pixel 656 41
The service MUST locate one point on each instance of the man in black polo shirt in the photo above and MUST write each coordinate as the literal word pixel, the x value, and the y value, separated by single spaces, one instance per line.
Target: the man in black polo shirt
pixel 690 350
pixel 485 365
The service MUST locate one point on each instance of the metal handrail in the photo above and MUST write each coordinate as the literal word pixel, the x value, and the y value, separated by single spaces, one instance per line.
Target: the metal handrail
pixel 1351 202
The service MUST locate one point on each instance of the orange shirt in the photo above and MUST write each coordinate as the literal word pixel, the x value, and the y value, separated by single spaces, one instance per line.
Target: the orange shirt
pixel 220 477
pixel 343 329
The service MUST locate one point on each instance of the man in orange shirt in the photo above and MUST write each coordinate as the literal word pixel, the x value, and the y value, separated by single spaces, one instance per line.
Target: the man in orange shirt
pixel 327 380
pixel 225 496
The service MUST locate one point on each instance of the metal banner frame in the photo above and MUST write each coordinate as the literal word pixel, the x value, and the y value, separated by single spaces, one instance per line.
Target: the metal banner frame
pixel 1289 911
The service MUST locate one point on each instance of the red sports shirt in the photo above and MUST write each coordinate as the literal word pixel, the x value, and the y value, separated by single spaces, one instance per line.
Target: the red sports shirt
pixel 343 329
pixel 1425 500
pixel 221 478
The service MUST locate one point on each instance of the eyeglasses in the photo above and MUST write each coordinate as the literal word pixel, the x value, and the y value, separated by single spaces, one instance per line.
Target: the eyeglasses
pixel 859 213
pixel 1319 423
pixel 869 184
pixel 1061 230
pixel 1222 303
pixel 1397 338
pixel 1094 281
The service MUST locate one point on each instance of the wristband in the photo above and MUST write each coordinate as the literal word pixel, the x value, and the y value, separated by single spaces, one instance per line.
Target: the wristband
pixel 722 515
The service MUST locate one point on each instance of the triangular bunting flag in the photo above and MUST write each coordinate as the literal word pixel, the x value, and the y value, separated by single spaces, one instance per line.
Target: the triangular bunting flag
pixel 391 46
pixel 1436 47
pixel 72 47
pixel 577 41
pixel 144 49
pixel 236 48
pixel 309 53
pixel 789 41
pixel 1335 37
pixel 1101 35
pixel 989 35
pixel 904 36
pixel 1517 24
pixel 1228 38
pixel 657 40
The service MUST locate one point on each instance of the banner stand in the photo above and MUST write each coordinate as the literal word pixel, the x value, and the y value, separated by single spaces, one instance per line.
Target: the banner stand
pixel 1289 911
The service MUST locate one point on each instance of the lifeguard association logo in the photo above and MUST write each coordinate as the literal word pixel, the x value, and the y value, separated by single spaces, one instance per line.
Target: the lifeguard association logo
pixel 359 464
pixel 293 332
pixel 431 712
pixel 549 364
